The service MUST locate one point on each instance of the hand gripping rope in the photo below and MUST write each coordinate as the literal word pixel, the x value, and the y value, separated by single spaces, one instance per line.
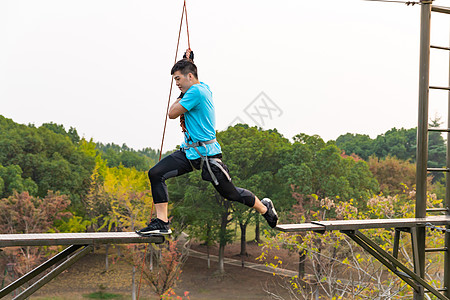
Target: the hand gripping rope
pixel 189 55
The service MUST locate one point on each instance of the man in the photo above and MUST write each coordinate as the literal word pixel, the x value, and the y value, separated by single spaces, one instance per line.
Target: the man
pixel 200 150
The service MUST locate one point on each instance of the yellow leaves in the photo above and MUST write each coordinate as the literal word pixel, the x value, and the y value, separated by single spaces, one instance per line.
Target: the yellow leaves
pixel 121 194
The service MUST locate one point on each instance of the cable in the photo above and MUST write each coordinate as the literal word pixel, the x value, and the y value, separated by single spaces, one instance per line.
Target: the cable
pixel 434 227
pixel 412 3
pixel 183 14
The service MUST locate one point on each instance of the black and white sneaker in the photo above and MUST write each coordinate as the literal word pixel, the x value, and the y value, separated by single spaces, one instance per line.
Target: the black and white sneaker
pixel 156 226
pixel 271 214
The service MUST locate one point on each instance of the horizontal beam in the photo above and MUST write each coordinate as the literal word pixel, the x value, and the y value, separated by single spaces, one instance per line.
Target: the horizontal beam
pixel 364 224
pixel 443 249
pixel 439 47
pixel 431 210
pixel 439 129
pixel 440 88
pixel 438 169
pixel 440 9
pixel 93 238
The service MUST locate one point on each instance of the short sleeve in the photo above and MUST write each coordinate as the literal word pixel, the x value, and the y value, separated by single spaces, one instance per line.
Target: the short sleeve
pixel 190 98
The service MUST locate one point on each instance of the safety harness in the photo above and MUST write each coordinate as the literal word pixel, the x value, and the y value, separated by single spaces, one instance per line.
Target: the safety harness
pixel 207 160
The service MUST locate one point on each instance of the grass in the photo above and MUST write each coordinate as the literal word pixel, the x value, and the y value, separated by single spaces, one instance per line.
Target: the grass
pixel 250 236
pixel 102 295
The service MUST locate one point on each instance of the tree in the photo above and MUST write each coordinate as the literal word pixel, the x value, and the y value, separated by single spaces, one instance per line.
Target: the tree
pixel 253 157
pixel 48 156
pixel 340 270
pixel 22 213
pixel 12 181
pixel 400 143
pixel 202 211
pixel 312 166
pixel 392 174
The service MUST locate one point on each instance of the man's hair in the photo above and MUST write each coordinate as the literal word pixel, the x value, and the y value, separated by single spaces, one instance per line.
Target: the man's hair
pixel 185 67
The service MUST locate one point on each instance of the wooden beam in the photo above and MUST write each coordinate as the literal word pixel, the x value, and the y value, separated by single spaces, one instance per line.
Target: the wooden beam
pixel 95 238
pixel 364 224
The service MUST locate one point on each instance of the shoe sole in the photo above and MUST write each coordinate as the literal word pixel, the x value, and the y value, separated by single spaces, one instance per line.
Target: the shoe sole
pixel 154 232
pixel 270 205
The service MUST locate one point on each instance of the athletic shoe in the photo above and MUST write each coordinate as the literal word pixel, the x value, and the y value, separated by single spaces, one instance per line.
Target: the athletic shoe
pixel 156 226
pixel 271 214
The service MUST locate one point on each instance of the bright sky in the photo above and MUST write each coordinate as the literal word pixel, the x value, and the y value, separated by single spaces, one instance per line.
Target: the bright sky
pixel 323 67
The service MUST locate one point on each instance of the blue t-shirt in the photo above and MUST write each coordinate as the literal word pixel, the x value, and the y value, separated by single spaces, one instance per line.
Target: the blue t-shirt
pixel 200 120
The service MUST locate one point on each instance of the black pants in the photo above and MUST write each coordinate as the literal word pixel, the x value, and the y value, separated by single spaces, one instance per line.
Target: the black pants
pixel 177 164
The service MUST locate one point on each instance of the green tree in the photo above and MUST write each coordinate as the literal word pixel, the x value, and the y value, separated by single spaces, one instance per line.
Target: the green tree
pixel 49 156
pixel 312 166
pixel 400 143
pixel 12 181
pixel 199 209
pixel 253 157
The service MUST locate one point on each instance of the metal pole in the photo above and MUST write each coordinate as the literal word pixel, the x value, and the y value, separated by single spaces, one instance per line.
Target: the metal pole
pixel 422 137
pixel 446 282
pixel 55 272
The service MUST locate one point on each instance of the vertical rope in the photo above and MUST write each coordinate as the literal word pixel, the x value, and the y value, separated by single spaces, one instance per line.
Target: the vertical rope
pixel 171 80
pixel 187 26
pixel 183 14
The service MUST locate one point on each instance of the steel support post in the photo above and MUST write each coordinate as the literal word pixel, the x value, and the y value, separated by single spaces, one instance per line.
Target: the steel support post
pixel 38 270
pixel 422 138
pixel 446 282
pixel 55 272
pixel 411 278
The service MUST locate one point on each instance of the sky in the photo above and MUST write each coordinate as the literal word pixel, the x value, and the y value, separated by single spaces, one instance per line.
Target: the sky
pixel 321 67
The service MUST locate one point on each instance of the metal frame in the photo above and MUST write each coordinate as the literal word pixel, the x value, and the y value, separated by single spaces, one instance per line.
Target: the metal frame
pixel 417 226
pixel 80 244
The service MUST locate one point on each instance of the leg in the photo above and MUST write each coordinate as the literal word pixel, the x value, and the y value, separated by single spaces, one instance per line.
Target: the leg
pixel 259 206
pixel 173 165
pixel 229 191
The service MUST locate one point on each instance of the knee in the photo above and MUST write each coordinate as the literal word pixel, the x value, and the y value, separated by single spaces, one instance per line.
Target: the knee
pixel 153 174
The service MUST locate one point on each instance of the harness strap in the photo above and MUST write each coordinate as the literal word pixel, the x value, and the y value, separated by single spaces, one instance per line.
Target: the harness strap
pixel 199 144
pixel 205 159
pixel 215 161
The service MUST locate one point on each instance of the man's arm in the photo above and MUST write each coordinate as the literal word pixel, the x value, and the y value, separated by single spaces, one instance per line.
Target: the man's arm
pixel 176 110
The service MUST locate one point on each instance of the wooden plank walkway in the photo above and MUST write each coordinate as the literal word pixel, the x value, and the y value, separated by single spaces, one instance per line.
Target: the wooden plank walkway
pixel 364 224
pixel 94 238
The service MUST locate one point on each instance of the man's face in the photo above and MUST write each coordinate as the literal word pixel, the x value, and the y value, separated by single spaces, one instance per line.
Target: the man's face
pixel 182 82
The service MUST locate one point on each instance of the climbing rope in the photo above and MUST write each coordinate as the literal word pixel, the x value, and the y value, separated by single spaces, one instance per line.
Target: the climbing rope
pixel 188 55
pixel 183 14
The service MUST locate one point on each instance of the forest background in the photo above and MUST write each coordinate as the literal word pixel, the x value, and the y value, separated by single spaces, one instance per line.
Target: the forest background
pixel 52 180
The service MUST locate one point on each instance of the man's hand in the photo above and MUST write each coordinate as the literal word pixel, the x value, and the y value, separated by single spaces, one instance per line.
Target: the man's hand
pixel 189 53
